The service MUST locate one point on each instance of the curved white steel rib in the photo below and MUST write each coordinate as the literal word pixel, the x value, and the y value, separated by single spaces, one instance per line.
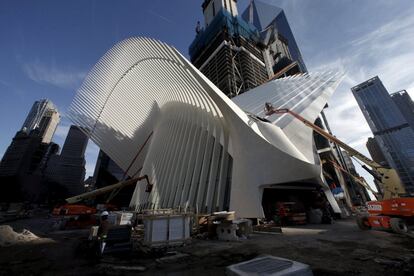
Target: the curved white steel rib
pixel 203 150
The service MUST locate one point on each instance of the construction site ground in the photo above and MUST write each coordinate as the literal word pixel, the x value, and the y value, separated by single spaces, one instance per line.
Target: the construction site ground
pixel 337 249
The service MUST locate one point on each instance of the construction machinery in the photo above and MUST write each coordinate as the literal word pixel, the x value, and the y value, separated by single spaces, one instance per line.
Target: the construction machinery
pixel 73 214
pixel 395 211
pixel 114 189
pixel 358 179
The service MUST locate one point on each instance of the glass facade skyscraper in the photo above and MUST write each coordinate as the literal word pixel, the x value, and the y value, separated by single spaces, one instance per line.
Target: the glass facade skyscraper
pixel 405 104
pixel 263 15
pixel 42 116
pixel 391 130
pixel 68 168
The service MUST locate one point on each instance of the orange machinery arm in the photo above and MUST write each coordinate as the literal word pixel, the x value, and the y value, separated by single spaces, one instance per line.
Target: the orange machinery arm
pixel 359 180
pixel 353 152
pixel 110 188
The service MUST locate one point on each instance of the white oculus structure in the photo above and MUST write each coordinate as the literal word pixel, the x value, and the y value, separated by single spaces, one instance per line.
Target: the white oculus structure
pixel 152 112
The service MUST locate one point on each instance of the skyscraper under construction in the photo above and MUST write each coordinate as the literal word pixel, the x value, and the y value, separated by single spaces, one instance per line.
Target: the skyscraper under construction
pixel 227 49
pixel 238 53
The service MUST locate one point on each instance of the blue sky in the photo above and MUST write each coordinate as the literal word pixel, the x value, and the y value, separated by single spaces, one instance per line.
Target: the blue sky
pixel 48 46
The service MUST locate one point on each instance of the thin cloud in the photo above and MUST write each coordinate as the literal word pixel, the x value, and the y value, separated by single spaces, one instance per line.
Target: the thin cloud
pixel 402 26
pixel 160 16
pixel 52 75
pixel 11 88
pixel 6 84
pixel 386 52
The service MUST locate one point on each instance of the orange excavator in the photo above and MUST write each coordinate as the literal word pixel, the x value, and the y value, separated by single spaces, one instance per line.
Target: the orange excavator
pixel 73 214
pixel 395 210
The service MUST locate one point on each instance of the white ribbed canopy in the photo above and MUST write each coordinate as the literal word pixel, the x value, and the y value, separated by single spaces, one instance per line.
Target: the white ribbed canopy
pixel 153 113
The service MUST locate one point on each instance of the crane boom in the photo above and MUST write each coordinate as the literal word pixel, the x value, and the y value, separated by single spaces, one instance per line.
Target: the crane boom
pixel 110 188
pixel 359 180
pixel 350 150
pixel 391 181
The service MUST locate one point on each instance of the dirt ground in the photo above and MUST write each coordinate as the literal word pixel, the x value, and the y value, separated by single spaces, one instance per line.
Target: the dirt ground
pixel 338 249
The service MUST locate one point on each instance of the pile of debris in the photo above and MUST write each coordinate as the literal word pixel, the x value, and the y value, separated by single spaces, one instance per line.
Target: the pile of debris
pixel 223 226
pixel 9 237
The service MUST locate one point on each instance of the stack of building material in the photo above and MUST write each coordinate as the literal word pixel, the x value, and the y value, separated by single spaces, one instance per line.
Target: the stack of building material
pixel 122 217
pixel 207 224
pixel 234 230
pixel 224 226
pixel 268 228
pixel 166 227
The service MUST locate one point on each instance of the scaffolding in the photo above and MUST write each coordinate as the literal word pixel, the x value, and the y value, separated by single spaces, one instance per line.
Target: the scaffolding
pixel 228 54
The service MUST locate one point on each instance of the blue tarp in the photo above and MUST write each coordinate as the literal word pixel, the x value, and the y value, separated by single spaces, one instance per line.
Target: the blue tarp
pixel 235 26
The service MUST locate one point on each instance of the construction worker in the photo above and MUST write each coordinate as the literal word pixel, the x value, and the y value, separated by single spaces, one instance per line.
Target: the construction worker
pixel 103 230
pixel 198 27
pixel 281 213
